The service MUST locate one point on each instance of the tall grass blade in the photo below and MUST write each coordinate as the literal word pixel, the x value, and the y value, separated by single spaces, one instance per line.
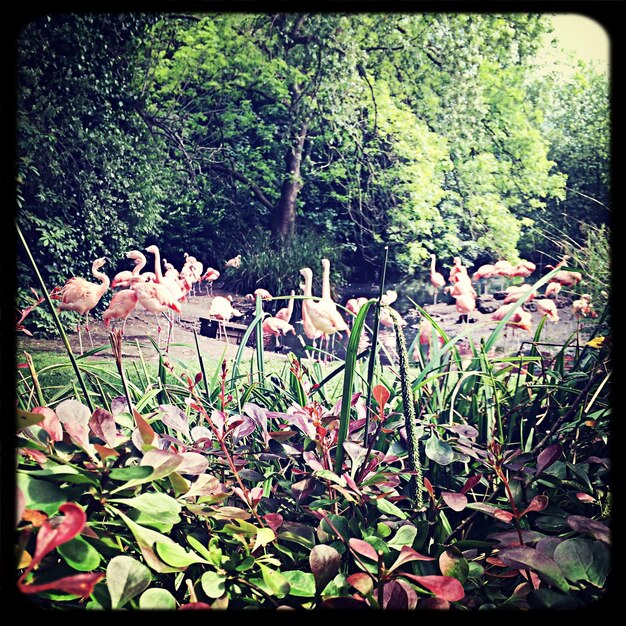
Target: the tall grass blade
pixel 57 321
pixel 374 349
pixel 348 380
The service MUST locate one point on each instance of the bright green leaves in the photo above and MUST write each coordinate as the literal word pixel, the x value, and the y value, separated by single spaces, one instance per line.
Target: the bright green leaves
pixel 126 578
pixel 80 554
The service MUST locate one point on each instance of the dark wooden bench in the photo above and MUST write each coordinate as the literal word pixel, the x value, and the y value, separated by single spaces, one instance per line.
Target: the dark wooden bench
pixel 215 330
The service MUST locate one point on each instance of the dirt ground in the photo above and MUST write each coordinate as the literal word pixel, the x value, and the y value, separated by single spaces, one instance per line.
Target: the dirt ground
pixel 141 325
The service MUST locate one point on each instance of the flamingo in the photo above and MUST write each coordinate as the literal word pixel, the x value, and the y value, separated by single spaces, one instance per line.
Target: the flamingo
pixel 520 318
pixel 234 262
pixel 222 309
pixel 457 270
pixel 461 286
pixel 264 293
pixel 483 273
pixel 523 269
pixel 324 316
pixel 122 304
pixel 548 309
pixel 277 327
pixel 327 296
pixel 436 278
pixel 386 317
pixel 286 312
pixel 515 292
pixel 179 288
pixel 122 279
pixel 503 268
pixel 192 270
pixel 552 289
pixel 354 306
pixel 82 296
pixel 565 278
pixel 465 304
pixel 426 338
pixel 308 327
pixel 156 298
pixel 210 276
pixel 582 307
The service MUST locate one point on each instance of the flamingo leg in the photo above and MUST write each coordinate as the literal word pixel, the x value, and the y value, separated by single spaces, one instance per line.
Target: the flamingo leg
pixel 88 329
pixel 80 338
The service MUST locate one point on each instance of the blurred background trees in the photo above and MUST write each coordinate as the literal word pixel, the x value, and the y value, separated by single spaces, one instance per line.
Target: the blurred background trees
pixel 288 137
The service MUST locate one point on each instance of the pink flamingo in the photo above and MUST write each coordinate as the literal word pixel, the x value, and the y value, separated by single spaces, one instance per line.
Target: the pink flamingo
pixel 210 276
pixel 122 304
pixel 122 279
pixel 323 315
pixel 457 270
pixel 436 278
pixel 465 304
pixel 426 339
pixel 548 309
pixel 516 292
pixel 222 309
pixel 276 327
pixel 552 289
pixel 523 269
pixel 234 262
pixel 82 296
pixel 286 312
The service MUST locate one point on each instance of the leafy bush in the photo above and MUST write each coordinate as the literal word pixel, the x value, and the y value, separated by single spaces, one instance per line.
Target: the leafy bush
pixel 274 265
pixel 481 483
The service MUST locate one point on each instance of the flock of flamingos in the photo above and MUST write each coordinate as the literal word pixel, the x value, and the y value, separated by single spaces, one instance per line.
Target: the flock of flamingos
pixel 164 291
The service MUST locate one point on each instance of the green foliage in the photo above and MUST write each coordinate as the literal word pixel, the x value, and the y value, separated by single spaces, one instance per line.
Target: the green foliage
pixel 272 263
pixel 235 494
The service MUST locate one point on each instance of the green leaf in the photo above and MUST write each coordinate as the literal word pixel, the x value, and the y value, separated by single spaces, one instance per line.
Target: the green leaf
pixel 580 559
pixel 126 578
pixel 146 539
pixel 453 564
pixel 198 547
pixel 79 554
pixel 438 451
pixel 389 508
pixel 263 537
pixel 157 599
pixel 40 495
pixel 130 473
pixel 275 581
pixel 213 584
pixel 157 510
pixel 404 537
pixel 174 554
pixel 302 584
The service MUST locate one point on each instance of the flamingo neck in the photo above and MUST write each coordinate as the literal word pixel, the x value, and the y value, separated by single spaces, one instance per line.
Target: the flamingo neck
pixel 157 265
pixel 140 263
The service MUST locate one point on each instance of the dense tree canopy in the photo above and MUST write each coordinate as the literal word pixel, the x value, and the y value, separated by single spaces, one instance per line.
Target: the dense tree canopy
pixel 424 133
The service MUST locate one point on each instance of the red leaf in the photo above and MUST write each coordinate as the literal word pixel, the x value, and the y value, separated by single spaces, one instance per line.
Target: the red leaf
pixel 470 483
pixel 81 585
pixel 363 548
pixel 456 501
pixel 444 587
pixel 585 497
pixel 57 531
pixel 51 423
pixel 145 430
pixel 547 457
pixel 104 452
pixel 102 424
pixel 361 582
pixel 429 488
pixel 407 554
pixel 538 503
pixel 198 378
pixel 274 520
pixel 194 605
pixel 381 395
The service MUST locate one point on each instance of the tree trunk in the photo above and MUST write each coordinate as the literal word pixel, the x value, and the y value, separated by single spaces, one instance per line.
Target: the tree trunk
pixel 284 221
